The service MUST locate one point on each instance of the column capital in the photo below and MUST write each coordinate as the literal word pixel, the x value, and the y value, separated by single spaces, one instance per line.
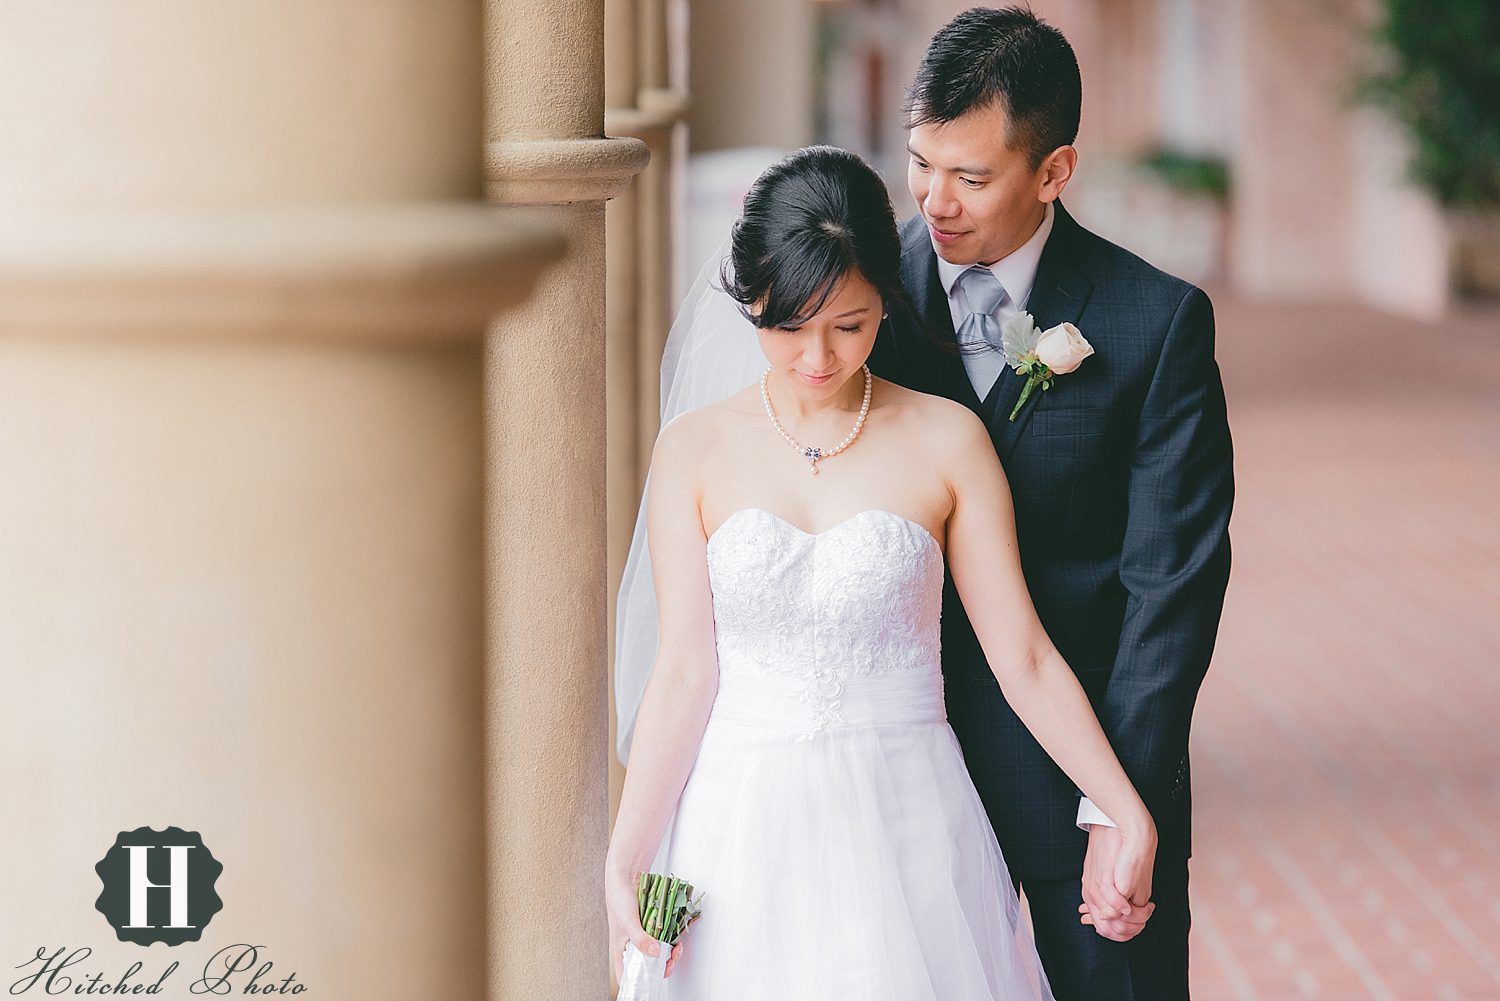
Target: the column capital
pixel 561 171
pixel 664 102
pixel 419 271
pixel 653 118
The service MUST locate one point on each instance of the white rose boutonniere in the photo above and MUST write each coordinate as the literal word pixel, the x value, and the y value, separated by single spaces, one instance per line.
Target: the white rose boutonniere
pixel 1041 356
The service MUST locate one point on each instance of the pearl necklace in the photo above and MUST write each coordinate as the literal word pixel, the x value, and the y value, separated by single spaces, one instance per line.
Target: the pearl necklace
pixel 812 453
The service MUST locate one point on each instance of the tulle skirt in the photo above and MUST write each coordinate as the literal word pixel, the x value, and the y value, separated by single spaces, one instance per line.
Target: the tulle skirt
pixel 854 864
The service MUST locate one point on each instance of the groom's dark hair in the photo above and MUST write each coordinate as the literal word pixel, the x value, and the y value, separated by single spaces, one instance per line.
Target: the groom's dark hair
pixel 1007 57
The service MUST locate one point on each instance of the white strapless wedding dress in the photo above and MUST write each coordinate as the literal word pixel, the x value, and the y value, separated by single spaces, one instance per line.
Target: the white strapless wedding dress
pixel 829 821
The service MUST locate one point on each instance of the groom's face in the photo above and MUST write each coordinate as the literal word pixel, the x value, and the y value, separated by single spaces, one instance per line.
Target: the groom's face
pixel 980 197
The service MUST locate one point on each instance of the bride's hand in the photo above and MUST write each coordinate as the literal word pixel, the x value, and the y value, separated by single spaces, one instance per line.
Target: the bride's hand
pixel 1117 882
pixel 1134 864
pixel 623 911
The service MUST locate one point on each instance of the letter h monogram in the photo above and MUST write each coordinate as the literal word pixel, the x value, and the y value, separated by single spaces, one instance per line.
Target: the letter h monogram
pixel 140 882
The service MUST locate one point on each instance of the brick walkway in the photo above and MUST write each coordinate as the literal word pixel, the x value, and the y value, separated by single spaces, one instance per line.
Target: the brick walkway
pixel 1347 742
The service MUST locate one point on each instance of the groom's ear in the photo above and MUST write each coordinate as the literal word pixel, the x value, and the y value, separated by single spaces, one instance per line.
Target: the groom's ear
pixel 1055 173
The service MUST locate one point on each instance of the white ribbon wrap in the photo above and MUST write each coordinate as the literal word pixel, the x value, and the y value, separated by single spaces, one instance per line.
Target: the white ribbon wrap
pixel 645 977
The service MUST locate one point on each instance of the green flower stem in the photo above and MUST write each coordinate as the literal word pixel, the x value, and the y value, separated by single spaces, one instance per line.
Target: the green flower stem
pixel 660 907
pixel 1034 379
pixel 667 906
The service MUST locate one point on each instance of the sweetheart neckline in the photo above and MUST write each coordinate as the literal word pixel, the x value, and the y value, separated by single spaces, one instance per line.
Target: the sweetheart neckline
pixel 837 525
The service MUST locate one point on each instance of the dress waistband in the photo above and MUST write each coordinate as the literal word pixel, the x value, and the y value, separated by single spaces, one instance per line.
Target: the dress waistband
pixel 825 700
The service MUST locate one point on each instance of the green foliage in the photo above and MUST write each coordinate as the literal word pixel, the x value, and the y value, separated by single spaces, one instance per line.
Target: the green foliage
pixel 1194 175
pixel 1441 81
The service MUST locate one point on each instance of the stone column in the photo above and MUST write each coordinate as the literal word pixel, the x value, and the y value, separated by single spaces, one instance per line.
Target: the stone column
pixel 625 460
pixel 245 273
pixel 545 708
pixel 624 217
pixel 642 103
pixel 663 104
pixel 752 74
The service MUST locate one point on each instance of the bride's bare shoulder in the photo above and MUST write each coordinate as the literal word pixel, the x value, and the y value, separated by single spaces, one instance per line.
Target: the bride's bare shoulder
pixel 927 414
pixel 701 429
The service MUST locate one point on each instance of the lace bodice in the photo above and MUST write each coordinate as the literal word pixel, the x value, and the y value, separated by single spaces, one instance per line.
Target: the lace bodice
pixel 826 630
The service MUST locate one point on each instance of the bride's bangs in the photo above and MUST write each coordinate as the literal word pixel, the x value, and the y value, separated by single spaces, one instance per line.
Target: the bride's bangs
pixel 801 284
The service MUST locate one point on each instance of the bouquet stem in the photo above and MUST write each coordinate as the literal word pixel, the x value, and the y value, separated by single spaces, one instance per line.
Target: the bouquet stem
pixel 667 908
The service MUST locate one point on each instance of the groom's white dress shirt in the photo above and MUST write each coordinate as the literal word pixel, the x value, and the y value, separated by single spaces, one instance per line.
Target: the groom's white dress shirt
pixel 1017 274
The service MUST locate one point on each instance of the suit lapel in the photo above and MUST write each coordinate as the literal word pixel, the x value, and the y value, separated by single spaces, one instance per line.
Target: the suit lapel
pixel 1058 295
pixel 943 371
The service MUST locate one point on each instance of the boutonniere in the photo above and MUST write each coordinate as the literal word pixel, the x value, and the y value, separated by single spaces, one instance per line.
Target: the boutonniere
pixel 1041 357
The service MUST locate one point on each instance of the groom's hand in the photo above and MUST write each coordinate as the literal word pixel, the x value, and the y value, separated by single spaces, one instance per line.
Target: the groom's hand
pixel 1104 906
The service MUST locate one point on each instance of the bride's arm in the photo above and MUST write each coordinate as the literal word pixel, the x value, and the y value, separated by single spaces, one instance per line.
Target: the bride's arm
pixel 680 693
pixel 985 563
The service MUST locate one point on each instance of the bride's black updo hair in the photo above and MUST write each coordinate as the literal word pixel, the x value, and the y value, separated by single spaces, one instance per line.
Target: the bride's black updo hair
pixel 809 220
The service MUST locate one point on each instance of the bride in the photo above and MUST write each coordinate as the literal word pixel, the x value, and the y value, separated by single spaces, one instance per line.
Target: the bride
pixel 792 757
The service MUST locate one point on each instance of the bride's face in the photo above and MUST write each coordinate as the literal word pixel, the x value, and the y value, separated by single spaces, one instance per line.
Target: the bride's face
pixel 820 356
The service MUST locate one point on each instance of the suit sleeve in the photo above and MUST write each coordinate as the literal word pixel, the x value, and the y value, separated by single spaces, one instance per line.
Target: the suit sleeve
pixel 1175 558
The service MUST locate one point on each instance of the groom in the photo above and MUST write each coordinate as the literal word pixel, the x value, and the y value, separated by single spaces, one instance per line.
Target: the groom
pixel 1121 473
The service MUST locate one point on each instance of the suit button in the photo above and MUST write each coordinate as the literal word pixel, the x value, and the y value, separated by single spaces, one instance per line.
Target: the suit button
pixel 1180 782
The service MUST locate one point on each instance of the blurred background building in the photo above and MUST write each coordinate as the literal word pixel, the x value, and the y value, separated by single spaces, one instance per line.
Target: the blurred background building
pixel 329 335
pixel 1222 139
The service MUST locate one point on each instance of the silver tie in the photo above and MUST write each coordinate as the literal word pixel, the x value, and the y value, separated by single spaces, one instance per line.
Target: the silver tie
pixel 984 294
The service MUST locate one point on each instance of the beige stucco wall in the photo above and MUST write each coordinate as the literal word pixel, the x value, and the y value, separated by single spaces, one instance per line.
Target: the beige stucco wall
pixel 168 102
pixel 241 597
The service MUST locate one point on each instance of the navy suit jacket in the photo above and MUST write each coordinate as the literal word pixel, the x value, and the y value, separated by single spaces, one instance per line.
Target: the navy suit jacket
pixel 1123 484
